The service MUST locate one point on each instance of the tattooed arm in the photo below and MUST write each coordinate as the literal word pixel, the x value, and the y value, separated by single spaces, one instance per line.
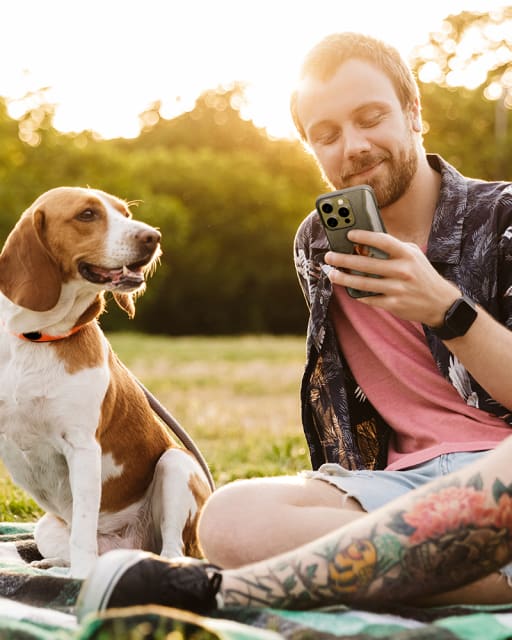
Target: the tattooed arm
pixel 449 533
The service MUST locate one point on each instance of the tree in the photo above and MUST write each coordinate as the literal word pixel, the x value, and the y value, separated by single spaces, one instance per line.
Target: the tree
pixel 474 50
pixel 472 47
pixel 226 197
pixel 459 125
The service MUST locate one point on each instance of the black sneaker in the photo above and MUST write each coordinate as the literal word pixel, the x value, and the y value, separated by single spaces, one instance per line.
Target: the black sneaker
pixel 126 577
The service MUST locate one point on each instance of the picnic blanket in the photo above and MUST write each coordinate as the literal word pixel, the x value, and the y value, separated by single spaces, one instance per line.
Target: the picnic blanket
pixel 39 604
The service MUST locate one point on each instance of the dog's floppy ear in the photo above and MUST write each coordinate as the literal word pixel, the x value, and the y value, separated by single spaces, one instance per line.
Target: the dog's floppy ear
pixel 126 302
pixel 29 275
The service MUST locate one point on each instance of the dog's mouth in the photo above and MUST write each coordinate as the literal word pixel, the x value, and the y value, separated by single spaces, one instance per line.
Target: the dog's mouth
pixel 124 278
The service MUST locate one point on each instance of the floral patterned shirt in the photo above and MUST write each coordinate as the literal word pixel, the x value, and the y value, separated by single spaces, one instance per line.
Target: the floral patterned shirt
pixel 470 244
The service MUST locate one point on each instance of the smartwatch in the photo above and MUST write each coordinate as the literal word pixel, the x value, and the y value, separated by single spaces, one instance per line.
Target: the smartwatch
pixel 457 320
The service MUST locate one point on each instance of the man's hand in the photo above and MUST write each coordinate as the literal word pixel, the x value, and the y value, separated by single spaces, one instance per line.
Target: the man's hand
pixel 409 286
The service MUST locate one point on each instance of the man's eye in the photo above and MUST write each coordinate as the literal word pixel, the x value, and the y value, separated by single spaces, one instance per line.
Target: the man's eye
pixel 371 120
pixel 87 215
pixel 326 137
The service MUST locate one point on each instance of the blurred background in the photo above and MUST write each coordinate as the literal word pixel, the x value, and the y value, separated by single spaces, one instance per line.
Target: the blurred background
pixel 182 106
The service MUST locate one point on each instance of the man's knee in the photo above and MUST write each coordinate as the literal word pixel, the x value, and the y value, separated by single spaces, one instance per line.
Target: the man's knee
pixel 219 520
pixel 242 504
pixel 248 520
pixel 216 509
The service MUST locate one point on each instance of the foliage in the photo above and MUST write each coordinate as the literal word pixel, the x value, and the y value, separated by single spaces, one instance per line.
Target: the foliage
pixel 465 134
pixel 470 127
pixel 476 42
pixel 228 198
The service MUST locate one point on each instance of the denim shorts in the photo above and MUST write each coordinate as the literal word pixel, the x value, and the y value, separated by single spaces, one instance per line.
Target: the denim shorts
pixel 374 489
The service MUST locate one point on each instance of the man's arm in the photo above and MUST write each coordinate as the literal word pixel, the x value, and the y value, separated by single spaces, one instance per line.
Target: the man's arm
pixel 412 289
pixel 449 533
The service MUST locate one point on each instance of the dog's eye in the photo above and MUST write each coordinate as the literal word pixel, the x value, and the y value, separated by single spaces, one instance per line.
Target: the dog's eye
pixel 87 215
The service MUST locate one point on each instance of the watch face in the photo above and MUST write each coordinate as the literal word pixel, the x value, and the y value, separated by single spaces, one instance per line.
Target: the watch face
pixel 461 316
pixel 457 320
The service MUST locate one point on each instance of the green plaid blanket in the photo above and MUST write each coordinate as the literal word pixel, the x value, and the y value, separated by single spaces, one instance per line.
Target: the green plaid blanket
pixel 37 604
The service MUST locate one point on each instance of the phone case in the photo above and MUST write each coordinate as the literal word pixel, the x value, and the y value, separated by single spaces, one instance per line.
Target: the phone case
pixel 346 209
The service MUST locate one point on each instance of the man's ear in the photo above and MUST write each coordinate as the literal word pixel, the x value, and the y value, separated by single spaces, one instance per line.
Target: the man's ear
pixel 416 122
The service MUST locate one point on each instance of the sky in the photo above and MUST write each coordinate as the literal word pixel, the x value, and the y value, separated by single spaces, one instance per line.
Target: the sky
pixel 105 61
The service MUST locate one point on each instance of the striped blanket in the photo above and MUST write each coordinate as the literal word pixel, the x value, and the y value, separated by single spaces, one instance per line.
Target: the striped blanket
pixel 37 604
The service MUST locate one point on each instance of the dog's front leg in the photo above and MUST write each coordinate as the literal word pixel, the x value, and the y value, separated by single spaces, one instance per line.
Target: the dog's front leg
pixel 84 463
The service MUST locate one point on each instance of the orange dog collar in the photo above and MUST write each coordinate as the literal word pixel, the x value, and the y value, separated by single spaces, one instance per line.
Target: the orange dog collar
pixel 37 336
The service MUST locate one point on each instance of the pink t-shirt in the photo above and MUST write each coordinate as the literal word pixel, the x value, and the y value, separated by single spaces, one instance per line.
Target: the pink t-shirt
pixel 394 367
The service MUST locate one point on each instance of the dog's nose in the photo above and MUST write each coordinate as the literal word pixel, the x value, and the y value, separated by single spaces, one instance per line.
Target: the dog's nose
pixel 149 237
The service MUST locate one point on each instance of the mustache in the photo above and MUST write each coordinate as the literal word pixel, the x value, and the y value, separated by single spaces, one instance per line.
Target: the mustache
pixel 361 164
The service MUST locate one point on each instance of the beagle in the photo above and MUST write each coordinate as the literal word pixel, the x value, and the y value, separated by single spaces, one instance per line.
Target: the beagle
pixel 76 429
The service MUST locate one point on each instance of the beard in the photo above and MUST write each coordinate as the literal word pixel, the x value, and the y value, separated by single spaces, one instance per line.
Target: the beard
pixel 391 186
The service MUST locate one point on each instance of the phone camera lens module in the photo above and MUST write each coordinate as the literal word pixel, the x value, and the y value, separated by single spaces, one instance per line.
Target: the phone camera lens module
pixel 327 207
pixel 332 222
pixel 343 212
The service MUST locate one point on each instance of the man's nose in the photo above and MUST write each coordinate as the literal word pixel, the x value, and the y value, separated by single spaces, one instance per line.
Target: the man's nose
pixel 354 141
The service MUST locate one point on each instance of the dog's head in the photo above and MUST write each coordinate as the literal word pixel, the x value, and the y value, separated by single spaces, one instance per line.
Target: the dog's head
pixel 82 235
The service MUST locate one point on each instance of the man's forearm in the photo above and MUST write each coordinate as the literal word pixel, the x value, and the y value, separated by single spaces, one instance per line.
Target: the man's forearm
pixel 484 351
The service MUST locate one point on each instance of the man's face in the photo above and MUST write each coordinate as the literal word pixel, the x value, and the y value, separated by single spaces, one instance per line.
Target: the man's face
pixel 355 126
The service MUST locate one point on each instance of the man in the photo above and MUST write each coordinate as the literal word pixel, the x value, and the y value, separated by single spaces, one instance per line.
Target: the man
pixel 387 385
pixel 401 387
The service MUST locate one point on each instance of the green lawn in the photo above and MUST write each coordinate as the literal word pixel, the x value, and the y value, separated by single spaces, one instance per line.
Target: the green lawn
pixel 237 397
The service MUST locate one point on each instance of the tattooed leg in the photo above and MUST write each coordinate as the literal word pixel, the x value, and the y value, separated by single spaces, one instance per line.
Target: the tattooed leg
pixel 449 533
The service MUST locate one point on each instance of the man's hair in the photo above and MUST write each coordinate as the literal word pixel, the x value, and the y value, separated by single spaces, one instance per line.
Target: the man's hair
pixel 329 54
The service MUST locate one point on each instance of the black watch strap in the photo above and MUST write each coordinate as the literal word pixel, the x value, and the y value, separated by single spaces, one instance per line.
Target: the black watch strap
pixel 457 320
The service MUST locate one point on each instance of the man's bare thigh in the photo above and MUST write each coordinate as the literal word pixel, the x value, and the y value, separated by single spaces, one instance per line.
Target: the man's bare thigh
pixel 296 491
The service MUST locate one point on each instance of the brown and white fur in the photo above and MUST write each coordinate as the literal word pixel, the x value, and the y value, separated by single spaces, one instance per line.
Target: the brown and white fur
pixel 76 430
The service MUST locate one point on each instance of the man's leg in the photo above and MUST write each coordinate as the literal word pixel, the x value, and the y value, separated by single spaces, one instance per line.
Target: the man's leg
pixel 438 539
pixel 440 544
pixel 249 520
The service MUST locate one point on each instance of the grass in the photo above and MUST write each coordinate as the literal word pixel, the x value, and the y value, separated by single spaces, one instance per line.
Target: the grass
pixel 237 397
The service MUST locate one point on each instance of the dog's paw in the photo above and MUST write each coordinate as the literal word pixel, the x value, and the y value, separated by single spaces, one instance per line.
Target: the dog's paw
pixel 48 563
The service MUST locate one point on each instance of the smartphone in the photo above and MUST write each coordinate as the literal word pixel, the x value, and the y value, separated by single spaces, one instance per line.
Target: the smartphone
pixel 346 209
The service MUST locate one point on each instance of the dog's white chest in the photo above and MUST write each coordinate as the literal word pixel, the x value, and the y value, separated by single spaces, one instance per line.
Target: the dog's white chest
pixel 36 388
pixel 44 413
